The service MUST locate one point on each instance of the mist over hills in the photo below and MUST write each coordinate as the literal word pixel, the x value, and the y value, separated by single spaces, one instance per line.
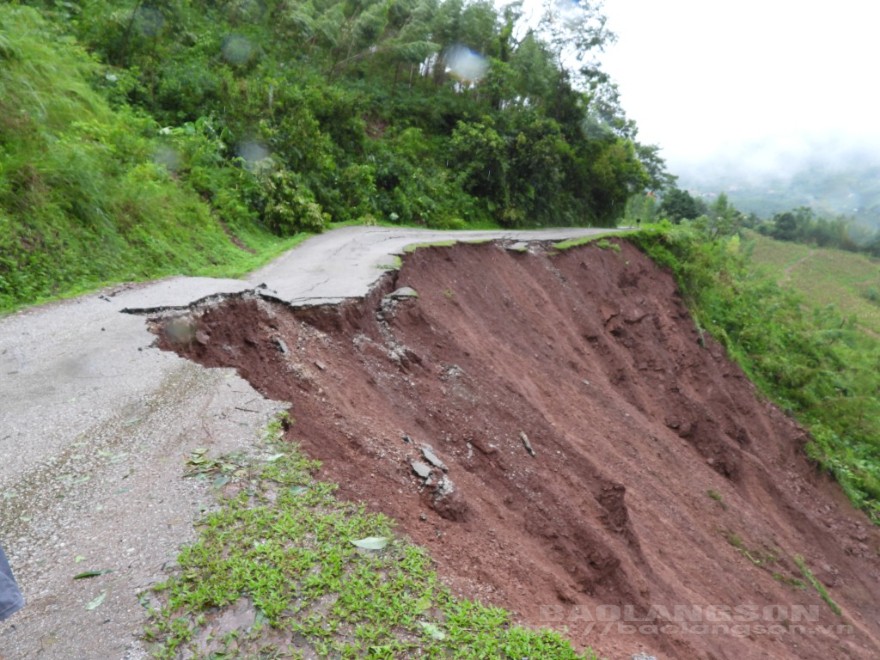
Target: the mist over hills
pixel 830 178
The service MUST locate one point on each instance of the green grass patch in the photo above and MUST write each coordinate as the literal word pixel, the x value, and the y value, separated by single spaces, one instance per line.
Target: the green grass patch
pixel 760 558
pixel 715 495
pixel 813 360
pixel 86 194
pixel 600 239
pixel 394 265
pixel 418 246
pixel 847 280
pixel 818 586
pixel 284 551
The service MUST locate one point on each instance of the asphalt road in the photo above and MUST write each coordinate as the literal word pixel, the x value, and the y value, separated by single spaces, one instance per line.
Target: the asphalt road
pixel 96 426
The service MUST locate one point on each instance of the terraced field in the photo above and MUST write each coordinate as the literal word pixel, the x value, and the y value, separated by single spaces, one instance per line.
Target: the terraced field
pixel 824 276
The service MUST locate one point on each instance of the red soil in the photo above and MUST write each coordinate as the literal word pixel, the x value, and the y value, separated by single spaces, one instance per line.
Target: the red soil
pixel 660 479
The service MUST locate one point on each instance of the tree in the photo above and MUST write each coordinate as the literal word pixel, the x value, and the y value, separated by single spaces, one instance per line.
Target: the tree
pixel 679 205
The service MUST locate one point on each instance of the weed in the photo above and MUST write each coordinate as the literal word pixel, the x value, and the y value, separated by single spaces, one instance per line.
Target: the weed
pixel 760 558
pixel 605 244
pixel 790 581
pixel 394 265
pixel 583 240
pixel 818 586
pixel 418 246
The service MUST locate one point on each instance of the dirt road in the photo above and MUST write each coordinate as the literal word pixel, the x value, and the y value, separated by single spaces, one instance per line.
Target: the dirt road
pixel 96 427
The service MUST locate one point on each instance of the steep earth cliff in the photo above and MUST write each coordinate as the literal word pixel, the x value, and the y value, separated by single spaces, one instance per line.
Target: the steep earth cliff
pixel 559 434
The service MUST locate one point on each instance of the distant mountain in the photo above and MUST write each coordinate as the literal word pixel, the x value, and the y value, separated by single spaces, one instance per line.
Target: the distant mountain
pixel 841 185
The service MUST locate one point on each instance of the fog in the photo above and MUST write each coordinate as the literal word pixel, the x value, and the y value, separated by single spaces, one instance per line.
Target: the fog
pixel 749 89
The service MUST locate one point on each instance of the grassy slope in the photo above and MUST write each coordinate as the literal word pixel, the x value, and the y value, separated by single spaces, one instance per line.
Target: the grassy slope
pixel 823 276
pixel 821 365
pixel 283 549
pixel 83 200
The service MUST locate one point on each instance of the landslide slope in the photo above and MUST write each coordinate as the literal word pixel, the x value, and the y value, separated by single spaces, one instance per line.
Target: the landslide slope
pixel 596 450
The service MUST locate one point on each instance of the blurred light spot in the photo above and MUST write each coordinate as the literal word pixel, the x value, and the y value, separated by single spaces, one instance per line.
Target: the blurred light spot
pixel 181 330
pixel 465 64
pixel 257 158
pixel 237 49
pixel 167 157
pixel 148 21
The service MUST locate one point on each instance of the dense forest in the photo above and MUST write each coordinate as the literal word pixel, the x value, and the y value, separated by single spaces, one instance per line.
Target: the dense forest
pixel 140 138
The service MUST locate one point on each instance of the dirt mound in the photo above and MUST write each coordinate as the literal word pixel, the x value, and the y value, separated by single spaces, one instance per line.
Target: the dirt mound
pixel 558 433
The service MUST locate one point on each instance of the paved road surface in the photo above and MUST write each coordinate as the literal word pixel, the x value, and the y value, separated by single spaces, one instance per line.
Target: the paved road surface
pixel 95 428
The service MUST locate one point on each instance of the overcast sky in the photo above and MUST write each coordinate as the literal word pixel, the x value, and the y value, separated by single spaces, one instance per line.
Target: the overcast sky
pixel 703 78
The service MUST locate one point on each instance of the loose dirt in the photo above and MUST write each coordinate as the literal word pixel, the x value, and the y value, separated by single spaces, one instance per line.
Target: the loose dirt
pixel 557 432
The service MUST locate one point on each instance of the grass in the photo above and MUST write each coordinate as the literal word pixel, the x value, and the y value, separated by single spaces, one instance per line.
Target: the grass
pixel 818 586
pixel 824 276
pixel 715 495
pixel 418 246
pixel 84 199
pixel 813 360
pixel 281 549
pixel 394 265
pixel 760 558
pixel 600 239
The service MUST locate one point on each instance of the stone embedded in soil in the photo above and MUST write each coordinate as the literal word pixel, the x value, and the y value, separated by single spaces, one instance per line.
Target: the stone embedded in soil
pixel 422 470
pixel 403 293
pixel 444 487
pixel 526 443
pixel 431 457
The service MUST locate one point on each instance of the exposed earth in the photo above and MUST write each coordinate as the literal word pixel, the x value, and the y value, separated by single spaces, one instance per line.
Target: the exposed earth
pixel 568 445
pixel 97 426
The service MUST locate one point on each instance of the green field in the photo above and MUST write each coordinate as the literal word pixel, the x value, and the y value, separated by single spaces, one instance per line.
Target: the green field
pixel 823 276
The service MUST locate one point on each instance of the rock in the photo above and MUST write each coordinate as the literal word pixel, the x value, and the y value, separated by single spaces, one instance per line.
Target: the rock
pixel 422 470
pixel 526 443
pixel 403 293
pixel 320 365
pixel 431 457
pixel 280 345
pixel 444 488
pixel 519 246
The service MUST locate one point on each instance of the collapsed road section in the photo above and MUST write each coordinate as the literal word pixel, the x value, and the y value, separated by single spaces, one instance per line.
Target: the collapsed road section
pixel 554 429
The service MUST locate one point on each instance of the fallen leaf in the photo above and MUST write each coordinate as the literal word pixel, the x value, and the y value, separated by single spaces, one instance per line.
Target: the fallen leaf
pixel 94 604
pixel 371 543
pixel 91 574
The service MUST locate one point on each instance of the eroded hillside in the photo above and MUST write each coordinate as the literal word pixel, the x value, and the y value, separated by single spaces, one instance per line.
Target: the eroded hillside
pixel 568 445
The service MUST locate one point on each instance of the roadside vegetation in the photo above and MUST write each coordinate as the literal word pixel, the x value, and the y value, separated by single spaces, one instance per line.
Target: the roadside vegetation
pixel 813 360
pixel 144 139
pixel 303 574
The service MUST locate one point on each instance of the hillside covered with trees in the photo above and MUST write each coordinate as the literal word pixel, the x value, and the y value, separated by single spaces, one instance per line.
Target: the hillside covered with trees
pixel 140 138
